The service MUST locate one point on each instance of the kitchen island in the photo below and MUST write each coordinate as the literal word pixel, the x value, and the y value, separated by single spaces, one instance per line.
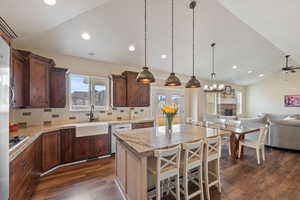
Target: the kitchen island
pixel 135 146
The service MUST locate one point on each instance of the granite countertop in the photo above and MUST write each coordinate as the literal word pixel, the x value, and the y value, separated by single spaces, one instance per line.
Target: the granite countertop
pixel 33 132
pixel 145 141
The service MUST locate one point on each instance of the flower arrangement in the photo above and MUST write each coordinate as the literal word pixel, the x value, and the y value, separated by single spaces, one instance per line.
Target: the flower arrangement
pixel 169 111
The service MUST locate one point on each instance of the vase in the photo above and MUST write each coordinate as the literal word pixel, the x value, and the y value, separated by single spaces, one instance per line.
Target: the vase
pixel 169 120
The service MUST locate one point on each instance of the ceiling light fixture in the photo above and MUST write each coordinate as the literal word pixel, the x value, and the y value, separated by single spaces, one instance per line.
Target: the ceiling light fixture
pixel 50 2
pixel 86 36
pixel 193 82
pixel 131 48
pixel 261 75
pixel 250 72
pixel 172 80
pixel 145 76
pixel 215 87
pixel 234 67
pixel 163 56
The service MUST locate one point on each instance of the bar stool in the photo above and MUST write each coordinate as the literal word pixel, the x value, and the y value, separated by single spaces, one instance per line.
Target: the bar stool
pixel 192 160
pixel 164 166
pixel 212 154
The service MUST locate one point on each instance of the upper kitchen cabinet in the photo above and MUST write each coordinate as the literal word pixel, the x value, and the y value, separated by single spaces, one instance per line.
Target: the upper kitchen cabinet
pixel 58 87
pixel 119 96
pixel 127 92
pixel 36 83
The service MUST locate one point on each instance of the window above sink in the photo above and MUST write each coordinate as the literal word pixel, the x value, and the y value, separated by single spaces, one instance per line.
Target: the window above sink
pixel 85 91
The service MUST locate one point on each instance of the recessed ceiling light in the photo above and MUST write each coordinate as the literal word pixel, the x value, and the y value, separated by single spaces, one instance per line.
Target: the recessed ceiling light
pixel 234 67
pixel 50 2
pixel 131 48
pixel 261 75
pixel 163 56
pixel 86 36
pixel 250 72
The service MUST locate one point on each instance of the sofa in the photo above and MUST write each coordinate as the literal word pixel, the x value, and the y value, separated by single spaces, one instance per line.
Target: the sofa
pixel 284 129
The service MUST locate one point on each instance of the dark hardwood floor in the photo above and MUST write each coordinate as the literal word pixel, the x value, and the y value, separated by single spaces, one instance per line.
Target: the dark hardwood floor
pixel 276 179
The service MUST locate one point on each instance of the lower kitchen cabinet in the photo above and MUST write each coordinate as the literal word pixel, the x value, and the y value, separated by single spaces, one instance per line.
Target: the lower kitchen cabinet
pixel 25 171
pixel 90 146
pixel 81 148
pixel 66 137
pixel 51 154
pixel 99 145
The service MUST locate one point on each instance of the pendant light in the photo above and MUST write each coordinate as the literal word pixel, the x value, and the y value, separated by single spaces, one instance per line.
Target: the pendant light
pixel 193 82
pixel 215 87
pixel 172 80
pixel 145 76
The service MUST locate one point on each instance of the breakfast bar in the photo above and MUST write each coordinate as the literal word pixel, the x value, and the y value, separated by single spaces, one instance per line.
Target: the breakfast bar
pixel 135 146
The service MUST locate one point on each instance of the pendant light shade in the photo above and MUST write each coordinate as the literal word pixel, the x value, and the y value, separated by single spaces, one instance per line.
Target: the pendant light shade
pixel 172 80
pixel 193 82
pixel 145 76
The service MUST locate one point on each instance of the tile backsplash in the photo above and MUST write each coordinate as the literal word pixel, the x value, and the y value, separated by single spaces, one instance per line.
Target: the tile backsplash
pixel 31 117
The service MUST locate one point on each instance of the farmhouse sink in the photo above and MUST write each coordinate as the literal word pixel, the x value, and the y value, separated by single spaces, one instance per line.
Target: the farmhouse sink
pixel 90 129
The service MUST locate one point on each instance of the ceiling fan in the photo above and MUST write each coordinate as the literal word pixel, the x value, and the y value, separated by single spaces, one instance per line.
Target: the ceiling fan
pixel 288 68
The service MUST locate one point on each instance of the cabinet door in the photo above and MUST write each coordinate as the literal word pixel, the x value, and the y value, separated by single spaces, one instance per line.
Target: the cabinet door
pixel 99 145
pixel 50 150
pixel 39 83
pixel 119 91
pixel 17 78
pixel 81 148
pixel 67 136
pixel 57 88
pixel 138 94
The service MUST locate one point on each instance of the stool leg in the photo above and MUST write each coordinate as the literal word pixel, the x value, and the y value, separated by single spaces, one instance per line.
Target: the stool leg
pixel 201 181
pixel 158 189
pixel 218 174
pixel 185 185
pixel 177 187
pixel 206 180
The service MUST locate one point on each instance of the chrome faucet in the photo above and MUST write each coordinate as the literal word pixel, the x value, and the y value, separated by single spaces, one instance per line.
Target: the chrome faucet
pixel 92 116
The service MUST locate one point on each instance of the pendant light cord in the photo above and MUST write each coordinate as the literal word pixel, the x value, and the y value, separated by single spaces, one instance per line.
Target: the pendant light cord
pixel 193 41
pixel 145 33
pixel 172 36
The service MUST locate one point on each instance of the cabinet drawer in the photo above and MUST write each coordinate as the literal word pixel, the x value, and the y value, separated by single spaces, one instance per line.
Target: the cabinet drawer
pixel 142 125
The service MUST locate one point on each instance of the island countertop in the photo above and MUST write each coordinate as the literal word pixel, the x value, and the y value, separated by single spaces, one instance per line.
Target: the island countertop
pixel 143 141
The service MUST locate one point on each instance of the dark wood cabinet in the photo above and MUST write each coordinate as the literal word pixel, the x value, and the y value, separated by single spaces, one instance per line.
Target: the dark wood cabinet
pixel 81 148
pixel 36 83
pixel 17 79
pixel 142 125
pixel 119 96
pixel 51 154
pixel 127 92
pixel 58 87
pixel 99 145
pixel 25 171
pixel 67 136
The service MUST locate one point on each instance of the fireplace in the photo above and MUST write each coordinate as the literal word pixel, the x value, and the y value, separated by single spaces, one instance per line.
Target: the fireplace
pixel 227 109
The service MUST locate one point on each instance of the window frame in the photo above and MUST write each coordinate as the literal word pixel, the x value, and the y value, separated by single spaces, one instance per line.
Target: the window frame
pixel 239 104
pixel 91 94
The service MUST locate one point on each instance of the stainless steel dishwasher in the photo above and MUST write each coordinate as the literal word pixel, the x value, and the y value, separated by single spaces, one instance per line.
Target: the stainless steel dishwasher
pixel 117 128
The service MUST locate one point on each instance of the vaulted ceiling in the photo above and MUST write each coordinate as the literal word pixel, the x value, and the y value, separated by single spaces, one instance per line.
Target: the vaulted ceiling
pixel 116 24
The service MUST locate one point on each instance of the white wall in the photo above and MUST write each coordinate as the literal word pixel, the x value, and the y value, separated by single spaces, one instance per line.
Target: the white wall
pixel 267 96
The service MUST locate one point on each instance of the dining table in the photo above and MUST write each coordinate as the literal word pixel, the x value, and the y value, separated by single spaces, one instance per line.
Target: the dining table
pixel 236 133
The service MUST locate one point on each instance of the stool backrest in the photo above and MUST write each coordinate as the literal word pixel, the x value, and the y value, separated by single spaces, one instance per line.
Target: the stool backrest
pixel 213 145
pixel 168 158
pixel 193 150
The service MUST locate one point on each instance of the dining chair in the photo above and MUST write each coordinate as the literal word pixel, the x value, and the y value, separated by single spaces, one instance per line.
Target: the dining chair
pixel 258 144
pixel 191 162
pixel 212 155
pixel 164 166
